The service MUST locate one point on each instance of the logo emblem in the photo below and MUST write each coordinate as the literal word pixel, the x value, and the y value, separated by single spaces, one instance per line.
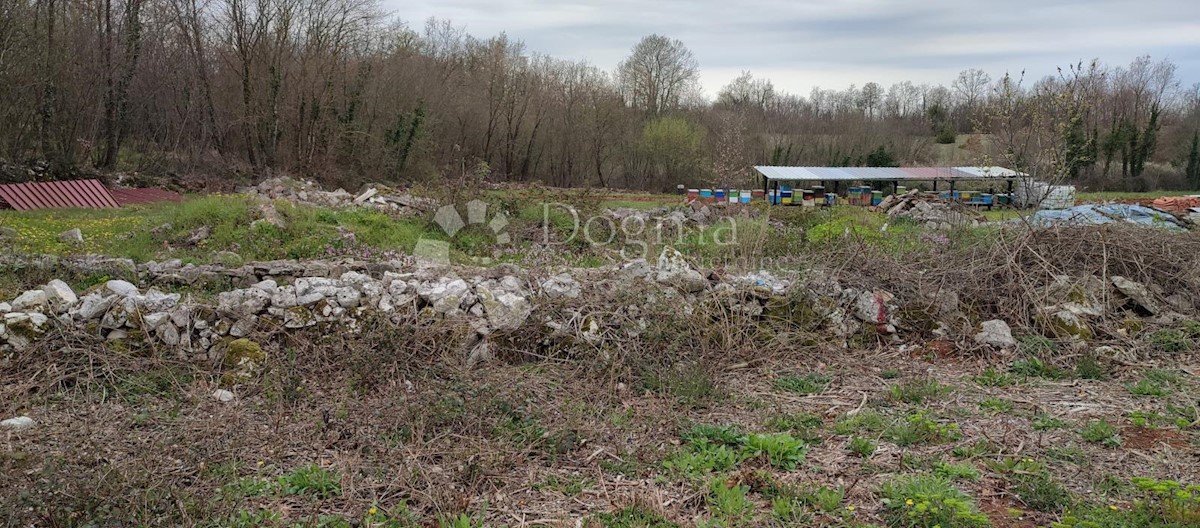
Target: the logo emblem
pixel 448 218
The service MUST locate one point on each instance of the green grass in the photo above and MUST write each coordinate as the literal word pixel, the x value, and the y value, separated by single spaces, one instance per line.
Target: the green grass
pixel 308 232
pixel 917 391
pixel 810 383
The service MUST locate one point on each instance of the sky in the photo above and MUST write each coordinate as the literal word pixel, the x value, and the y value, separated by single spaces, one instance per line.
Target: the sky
pixel 799 44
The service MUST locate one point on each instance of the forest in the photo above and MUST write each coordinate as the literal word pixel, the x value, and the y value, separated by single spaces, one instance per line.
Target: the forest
pixel 342 92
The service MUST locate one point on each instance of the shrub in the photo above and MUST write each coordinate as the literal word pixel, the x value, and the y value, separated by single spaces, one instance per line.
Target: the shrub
pixel 926 501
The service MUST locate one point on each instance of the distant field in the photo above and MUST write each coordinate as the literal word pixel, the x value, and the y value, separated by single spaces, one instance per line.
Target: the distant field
pixel 1112 196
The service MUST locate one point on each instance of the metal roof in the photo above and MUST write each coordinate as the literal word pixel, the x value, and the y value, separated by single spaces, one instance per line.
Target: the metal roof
pixel 89 194
pixel 144 195
pixel 884 173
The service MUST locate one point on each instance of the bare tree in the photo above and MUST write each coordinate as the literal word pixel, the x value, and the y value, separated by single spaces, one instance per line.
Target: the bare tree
pixel 659 74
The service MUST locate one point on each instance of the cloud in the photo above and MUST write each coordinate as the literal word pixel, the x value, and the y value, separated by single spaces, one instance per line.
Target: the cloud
pixel 804 43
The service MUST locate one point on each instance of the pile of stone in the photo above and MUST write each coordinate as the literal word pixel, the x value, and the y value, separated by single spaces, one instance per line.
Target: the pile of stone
pixel 281 298
pixel 307 192
pixel 930 211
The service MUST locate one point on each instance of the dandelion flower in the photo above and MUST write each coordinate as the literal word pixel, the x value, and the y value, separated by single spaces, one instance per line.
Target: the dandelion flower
pixel 372 511
pixel 849 508
pixel 908 502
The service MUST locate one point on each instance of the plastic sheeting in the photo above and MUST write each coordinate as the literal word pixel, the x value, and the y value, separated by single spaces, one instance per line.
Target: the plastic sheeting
pixel 1097 214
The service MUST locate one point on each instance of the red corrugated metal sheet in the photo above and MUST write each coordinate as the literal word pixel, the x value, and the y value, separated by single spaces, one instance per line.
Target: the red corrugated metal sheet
pixel 146 195
pixel 88 194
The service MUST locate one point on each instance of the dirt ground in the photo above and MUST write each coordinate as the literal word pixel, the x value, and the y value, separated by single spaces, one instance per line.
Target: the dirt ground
pixel 551 443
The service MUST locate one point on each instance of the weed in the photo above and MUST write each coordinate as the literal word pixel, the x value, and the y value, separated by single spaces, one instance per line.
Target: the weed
pixel 1164 504
pixel 255 519
pixel 1044 422
pixel 826 499
pixel 462 520
pixel 634 517
pixel 1101 432
pixel 811 383
pixel 730 504
pixel 790 511
pixel 701 434
pixel 1032 484
pixel 1071 454
pixel 1170 341
pixel 863 447
pixel 311 480
pixel 996 405
pixel 691 384
pixel 977 449
pixel 991 377
pixel 926 501
pixel 704 460
pixel 920 428
pixel 1147 387
pixel 1191 328
pixel 1032 367
pixel 916 391
pixel 956 471
pixel 803 426
pixel 569 486
pixel 1089 367
pixel 890 373
pixel 1036 345
pixel 865 421
pixel 782 450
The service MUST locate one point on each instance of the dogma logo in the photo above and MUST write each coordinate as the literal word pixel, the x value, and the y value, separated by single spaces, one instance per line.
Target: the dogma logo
pixel 451 222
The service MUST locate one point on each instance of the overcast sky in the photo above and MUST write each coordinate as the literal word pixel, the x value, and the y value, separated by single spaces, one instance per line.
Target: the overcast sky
pixel 802 43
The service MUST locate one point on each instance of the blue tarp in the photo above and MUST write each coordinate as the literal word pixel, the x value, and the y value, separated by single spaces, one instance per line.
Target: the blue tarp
pixel 1096 214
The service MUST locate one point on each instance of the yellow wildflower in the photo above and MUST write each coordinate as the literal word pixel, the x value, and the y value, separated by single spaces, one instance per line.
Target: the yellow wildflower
pixel 372 511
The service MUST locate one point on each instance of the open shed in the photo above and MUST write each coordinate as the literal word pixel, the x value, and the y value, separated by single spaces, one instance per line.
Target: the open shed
pixel 894 175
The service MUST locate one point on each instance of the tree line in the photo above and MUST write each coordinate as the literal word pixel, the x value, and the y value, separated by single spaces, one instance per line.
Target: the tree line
pixel 338 91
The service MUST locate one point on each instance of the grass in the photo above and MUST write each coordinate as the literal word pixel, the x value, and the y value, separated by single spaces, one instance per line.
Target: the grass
pixel 130 232
pixel 811 383
pixel 917 391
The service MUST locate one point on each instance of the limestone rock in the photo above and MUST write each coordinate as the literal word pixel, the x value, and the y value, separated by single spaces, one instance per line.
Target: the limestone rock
pixel 30 300
pixel 20 423
pixel 505 310
pixel 121 287
pixel 59 294
pixel 995 333
pixel 561 286
pixel 222 395
pixel 72 236
pixel 1138 293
